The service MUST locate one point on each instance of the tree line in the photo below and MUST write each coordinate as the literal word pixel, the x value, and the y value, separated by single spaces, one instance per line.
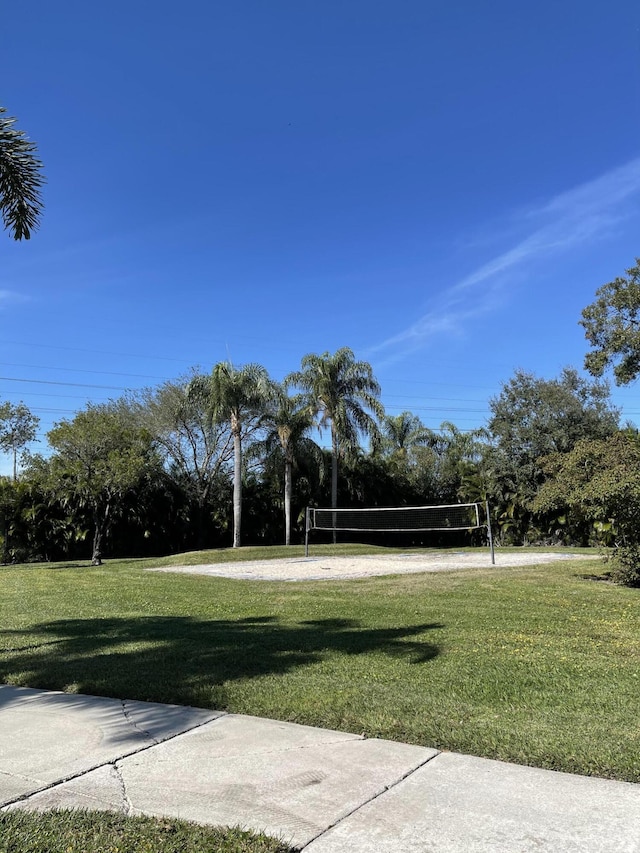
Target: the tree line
pixel 229 458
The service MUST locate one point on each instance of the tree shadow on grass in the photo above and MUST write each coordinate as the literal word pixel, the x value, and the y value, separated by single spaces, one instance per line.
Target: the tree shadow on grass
pixel 179 659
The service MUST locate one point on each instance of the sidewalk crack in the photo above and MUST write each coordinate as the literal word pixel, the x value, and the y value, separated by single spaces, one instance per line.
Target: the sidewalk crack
pixel 133 724
pixel 30 779
pixel 127 805
pixel 77 775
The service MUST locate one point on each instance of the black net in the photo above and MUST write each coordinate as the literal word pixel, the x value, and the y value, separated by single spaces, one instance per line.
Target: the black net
pixel 454 517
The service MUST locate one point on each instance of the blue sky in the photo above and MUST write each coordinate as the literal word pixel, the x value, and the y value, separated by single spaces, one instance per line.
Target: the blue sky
pixel 441 186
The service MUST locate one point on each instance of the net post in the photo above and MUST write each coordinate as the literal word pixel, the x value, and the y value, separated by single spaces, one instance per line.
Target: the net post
pixel 490 534
pixel 307 524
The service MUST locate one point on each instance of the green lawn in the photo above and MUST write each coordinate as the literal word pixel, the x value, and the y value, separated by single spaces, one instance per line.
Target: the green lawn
pixel 535 665
pixel 101 832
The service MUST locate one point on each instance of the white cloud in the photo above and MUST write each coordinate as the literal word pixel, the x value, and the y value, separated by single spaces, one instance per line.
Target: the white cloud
pixel 570 219
pixel 9 296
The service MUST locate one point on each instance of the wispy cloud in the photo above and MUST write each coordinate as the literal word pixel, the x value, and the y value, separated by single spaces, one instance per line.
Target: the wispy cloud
pixel 8 297
pixel 570 219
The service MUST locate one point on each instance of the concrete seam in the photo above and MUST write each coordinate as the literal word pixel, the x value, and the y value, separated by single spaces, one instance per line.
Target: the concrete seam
pixel 370 800
pixel 109 762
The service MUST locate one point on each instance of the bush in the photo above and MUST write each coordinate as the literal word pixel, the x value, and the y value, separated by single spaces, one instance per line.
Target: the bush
pixel 626 565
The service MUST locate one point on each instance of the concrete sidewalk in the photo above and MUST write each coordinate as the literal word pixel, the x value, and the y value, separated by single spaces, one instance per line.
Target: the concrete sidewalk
pixel 321 791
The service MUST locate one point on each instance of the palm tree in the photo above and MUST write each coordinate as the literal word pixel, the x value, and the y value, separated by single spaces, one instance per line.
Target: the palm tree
pixel 237 396
pixel 459 455
pixel 407 451
pixel 289 421
pixel 403 433
pixel 339 390
pixel 20 180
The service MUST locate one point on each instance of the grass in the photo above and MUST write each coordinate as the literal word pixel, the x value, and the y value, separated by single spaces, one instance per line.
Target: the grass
pixel 536 665
pixel 101 832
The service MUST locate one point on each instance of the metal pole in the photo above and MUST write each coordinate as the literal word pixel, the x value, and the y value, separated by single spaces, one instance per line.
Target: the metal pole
pixel 489 533
pixel 306 531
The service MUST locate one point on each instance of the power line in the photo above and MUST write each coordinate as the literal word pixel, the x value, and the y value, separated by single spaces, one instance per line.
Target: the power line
pixel 50 394
pixel 83 370
pixel 147 356
pixel 94 351
pixel 70 384
pixel 32 380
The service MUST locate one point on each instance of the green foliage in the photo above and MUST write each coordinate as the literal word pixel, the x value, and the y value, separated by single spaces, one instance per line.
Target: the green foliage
pixel 402 434
pixel 236 396
pixel 534 417
pixel 159 474
pixel 368 480
pixel 460 458
pixel 407 447
pixel 287 445
pixel 343 394
pixel 340 391
pixel 20 180
pixel 8 514
pixel 196 450
pixel 33 526
pixel 600 480
pixel 531 419
pixel 626 565
pixel 612 327
pixel 17 429
pixel 99 457
pixel 238 392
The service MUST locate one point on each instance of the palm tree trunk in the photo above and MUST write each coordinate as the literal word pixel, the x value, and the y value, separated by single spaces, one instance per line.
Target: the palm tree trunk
pixel 334 479
pixel 287 500
pixel 237 486
pixel 200 537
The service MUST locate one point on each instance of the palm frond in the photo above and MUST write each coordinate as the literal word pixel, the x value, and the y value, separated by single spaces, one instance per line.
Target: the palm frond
pixel 21 180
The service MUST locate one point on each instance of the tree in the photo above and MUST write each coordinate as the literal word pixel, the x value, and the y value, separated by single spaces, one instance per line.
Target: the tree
pixel 7 513
pixel 402 434
pixel 407 448
pixel 20 180
pixel 612 327
pixel 35 525
pixel 236 396
pixel 288 422
pixel 459 459
pixel 532 418
pixel 99 458
pixel 17 429
pixel 196 450
pixel 600 480
pixel 339 390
